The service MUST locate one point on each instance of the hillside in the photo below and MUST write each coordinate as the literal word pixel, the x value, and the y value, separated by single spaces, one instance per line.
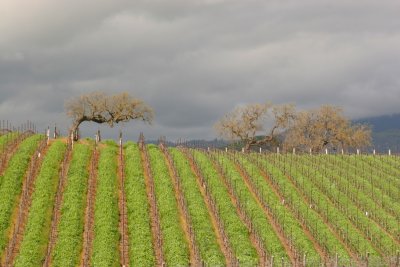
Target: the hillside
pixel 145 205
pixel 385 131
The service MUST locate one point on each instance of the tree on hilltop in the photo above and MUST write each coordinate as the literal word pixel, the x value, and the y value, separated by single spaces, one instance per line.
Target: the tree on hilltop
pixel 326 127
pixel 248 123
pixel 102 108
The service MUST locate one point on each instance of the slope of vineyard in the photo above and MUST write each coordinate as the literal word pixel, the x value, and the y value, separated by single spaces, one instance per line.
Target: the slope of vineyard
pixel 34 242
pixel 141 252
pixel 69 239
pixel 213 207
pixel 176 247
pixel 11 184
pixel 106 235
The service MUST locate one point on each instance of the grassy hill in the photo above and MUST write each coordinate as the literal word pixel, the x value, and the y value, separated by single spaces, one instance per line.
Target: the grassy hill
pixel 145 205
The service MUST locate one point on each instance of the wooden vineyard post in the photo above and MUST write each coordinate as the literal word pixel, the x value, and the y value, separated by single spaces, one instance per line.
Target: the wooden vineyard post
pixel 48 135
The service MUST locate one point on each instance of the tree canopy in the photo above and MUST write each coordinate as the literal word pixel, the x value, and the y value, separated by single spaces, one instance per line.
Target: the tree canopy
pixel 111 109
pixel 317 129
pixel 248 122
pixel 326 127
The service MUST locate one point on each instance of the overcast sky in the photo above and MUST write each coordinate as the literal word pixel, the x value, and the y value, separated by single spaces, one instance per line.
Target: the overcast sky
pixel 194 60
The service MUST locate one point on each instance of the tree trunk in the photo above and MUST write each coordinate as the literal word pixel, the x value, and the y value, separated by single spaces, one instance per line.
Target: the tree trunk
pixel 247 147
pixel 74 129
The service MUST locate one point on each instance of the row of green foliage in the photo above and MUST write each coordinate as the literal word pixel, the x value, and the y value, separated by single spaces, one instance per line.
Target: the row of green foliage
pixel 389 165
pixel 201 221
pixel 106 213
pixel 7 138
pixel 293 197
pixel 11 184
pixel 37 231
pixel 369 170
pixel 357 195
pixel 235 229
pixel 372 179
pixel 288 222
pixel 376 171
pixel 259 219
pixel 359 217
pixel 141 252
pixel 70 229
pixel 302 177
pixel 176 250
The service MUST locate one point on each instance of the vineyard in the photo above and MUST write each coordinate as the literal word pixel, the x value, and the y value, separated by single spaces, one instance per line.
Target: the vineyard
pixel 137 204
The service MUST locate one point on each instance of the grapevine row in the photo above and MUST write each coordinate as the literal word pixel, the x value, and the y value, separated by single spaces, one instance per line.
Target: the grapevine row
pixel 36 235
pixel 68 246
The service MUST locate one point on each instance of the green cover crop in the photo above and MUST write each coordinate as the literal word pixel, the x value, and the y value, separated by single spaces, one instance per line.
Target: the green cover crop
pixel 11 183
pixel 141 252
pixel 33 247
pixel 106 214
pixel 238 234
pixel 176 248
pixel 204 233
pixel 70 229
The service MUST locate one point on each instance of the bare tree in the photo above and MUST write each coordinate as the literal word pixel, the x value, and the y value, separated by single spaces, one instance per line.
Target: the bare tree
pixel 326 127
pixel 247 123
pixel 111 109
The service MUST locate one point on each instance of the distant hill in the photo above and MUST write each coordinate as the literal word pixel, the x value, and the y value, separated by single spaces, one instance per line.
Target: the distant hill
pixel 382 123
pixel 385 131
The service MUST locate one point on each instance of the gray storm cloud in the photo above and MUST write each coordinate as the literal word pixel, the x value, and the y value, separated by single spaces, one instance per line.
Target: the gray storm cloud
pixel 195 60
